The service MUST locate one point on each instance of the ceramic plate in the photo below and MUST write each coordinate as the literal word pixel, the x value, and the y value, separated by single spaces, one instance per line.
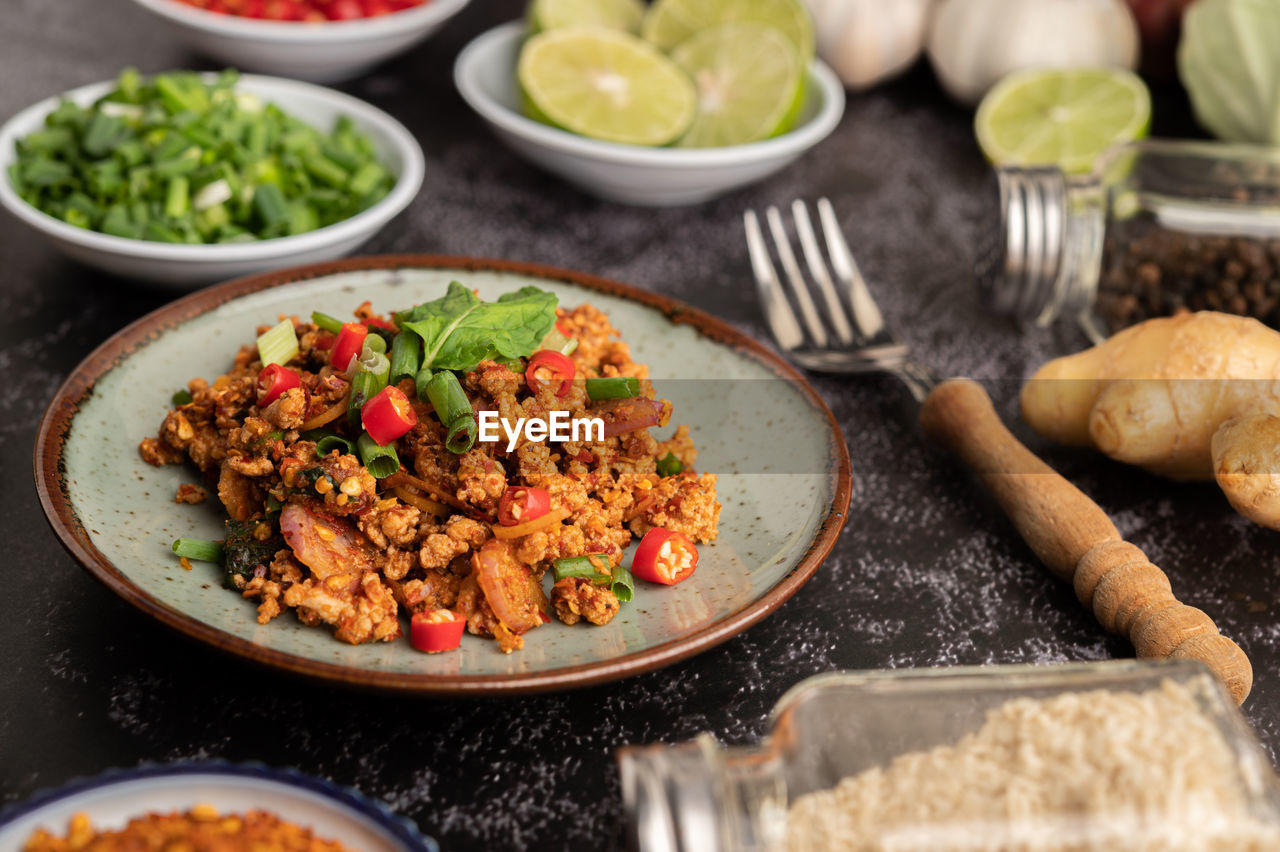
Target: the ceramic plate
pixel 782 462
pixel 110 800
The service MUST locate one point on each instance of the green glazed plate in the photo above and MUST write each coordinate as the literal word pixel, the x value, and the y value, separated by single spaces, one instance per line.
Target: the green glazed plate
pixel 784 478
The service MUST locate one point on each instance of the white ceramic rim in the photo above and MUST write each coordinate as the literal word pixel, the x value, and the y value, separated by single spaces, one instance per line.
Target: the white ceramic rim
pixel 303 32
pixel 406 187
pixel 805 136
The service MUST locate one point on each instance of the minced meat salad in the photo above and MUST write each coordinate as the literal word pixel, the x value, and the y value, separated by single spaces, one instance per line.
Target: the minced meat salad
pixel 346 456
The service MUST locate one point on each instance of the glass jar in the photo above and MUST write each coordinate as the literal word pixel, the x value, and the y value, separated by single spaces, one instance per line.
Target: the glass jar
pixel 1161 226
pixel 859 727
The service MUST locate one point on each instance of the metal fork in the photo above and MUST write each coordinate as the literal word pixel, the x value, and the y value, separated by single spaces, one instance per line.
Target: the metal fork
pixel 1067 530
pixel 849 335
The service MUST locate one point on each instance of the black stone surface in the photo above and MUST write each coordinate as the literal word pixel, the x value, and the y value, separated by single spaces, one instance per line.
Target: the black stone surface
pixel 927 572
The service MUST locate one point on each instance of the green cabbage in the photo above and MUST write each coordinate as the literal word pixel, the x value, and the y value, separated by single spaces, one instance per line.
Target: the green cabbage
pixel 1229 60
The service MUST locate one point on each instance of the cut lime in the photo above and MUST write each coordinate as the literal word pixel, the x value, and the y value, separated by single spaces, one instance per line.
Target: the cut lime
pixel 670 22
pixel 607 85
pixel 750 84
pixel 623 15
pixel 1062 117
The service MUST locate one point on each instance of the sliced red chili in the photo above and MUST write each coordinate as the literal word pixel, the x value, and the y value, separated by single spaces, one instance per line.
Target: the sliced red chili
pixel 521 504
pixel 665 557
pixel 273 381
pixel 347 346
pixel 388 415
pixel 547 367
pixel 436 630
pixel 379 322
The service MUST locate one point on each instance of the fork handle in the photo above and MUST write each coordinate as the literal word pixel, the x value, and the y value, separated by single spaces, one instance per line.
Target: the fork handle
pixel 1076 540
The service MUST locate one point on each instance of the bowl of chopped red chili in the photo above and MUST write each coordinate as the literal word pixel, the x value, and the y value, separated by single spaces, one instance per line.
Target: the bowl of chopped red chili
pixel 317 40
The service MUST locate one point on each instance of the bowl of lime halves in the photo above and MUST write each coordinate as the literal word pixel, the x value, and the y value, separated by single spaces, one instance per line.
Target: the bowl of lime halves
pixel 671 104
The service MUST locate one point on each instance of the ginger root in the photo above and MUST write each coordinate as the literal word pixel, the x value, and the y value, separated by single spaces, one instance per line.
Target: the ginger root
pixel 1189 397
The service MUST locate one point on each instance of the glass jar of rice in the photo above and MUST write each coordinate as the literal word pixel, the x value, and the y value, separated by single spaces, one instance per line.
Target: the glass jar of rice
pixel 1115 756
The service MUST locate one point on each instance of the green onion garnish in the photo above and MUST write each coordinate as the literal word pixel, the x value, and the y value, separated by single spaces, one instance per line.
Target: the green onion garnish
pixel 364 387
pixel 374 342
pixel 623 585
pixel 331 442
pixel 198 549
pixel 462 434
pixel 182 397
pixel 583 566
pixel 614 387
pixel 454 410
pixel 333 325
pixel 372 361
pixel 589 567
pixel 179 159
pixel 379 460
pixel 278 344
pixel 273 505
pixel 421 381
pixel 406 356
pixel 669 465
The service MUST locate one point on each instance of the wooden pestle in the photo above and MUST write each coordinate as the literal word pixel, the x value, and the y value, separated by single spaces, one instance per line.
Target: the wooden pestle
pixel 1076 540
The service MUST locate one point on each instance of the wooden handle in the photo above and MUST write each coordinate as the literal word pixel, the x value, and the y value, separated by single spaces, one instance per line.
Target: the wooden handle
pixel 1076 540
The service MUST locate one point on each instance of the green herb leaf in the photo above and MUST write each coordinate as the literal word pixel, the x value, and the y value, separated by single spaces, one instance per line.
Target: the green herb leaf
pixel 244 552
pixel 459 330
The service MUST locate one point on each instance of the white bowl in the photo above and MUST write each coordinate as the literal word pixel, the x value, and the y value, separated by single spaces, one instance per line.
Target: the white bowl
pixel 187 266
pixel 319 52
pixel 485 74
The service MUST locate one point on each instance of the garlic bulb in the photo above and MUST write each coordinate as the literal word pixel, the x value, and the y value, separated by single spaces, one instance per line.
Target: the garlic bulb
pixel 867 41
pixel 974 43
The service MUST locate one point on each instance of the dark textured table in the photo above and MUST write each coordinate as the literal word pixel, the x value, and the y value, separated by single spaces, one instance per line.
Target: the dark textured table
pixel 927 573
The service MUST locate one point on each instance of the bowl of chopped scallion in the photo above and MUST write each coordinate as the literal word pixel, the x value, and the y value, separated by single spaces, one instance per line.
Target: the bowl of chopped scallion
pixel 185 179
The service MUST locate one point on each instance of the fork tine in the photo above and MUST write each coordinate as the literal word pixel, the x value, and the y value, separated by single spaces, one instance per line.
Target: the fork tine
pixel 818 269
pixel 783 244
pixel 782 320
pixel 866 315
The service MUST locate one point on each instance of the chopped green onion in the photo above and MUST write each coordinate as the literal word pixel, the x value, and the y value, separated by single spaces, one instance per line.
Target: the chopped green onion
pixel 595 567
pixel 614 387
pixel 558 341
pixel 669 465
pixel 406 356
pixel 332 442
pixel 333 325
pixel 273 505
pixel 381 461
pixel 376 363
pixel 623 585
pixel 420 383
pixel 177 198
pixel 585 567
pixel 198 549
pixel 374 343
pixel 462 434
pixel 182 397
pixel 454 410
pixel 279 344
pixel 270 204
pixel 383 336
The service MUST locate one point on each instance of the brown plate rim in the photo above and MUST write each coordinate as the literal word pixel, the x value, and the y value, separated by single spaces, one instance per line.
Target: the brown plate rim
pixel 58 417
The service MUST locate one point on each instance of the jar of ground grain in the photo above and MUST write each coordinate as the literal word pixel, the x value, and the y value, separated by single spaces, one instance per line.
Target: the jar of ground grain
pixel 1122 756
pixel 1160 227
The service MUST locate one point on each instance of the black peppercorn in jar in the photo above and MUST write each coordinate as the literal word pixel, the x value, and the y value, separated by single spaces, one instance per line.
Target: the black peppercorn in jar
pixel 1158 228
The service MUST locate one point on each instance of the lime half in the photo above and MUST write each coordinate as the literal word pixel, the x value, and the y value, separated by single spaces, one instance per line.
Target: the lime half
pixel 1061 117
pixel 750 84
pixel 623 15
pixel 670 22
pixel 607 85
